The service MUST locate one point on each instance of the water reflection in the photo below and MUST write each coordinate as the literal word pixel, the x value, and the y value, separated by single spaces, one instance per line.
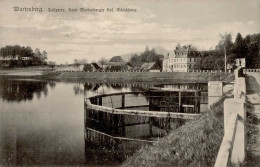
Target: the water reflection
pixel 42 123
pixel 78 89
pixel 19 90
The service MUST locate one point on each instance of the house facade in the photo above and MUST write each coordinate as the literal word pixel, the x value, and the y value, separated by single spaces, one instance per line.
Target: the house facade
pixel 9 57
pixel 240 62
pixel 182 59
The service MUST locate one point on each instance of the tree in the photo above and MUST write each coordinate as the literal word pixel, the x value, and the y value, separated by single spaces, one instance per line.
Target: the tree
pixel 134 60
pixel 102 61
pixel 116 59
pixel 146 56
pixel 224 46
pixel 247 40
pixel 207 63
pixel 253 55
pixel 83 61
pixel 225 43
pixel 38 53
pixel 240 48
pixel 52 64
pixel 44 56
pixel 28 51
pixel 146 48
pixel 76 62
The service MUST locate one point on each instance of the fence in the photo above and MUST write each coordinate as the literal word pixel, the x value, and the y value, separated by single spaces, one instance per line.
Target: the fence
pixel 122 145
pixel 251 70
pixel 139 71
pixel 233 146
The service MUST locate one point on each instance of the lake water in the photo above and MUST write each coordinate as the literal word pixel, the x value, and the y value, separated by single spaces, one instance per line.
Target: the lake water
pixel 42 123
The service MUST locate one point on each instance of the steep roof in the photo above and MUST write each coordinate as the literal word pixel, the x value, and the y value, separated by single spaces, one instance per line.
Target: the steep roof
pixel 119 63
pixel 95 65
pixel 148 66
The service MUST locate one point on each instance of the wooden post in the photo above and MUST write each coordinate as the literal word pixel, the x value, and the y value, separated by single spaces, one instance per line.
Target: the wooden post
pixel 123 101
pixel 179 101
pixel 197 104
pixel 100 101
pixel 151 126
pixel 168 124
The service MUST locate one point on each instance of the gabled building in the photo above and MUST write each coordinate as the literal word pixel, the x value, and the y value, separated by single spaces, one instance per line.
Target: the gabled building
pixel 182 59
pixel 151 67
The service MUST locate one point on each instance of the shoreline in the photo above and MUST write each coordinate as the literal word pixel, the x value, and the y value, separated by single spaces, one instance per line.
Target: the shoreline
pixel 160 77
pixel 117 77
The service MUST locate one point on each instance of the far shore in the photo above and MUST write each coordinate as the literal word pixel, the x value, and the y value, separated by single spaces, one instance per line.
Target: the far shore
pixel 26 72
pixel 46 73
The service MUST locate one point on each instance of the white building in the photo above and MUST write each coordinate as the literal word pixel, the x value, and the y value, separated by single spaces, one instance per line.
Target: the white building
pixel 240 62
pixel 182 59
pixel 26 58
pixel 9 57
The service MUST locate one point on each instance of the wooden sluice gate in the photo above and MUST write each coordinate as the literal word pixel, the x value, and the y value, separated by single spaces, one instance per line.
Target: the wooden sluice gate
pixel 116 122
pixel 119 145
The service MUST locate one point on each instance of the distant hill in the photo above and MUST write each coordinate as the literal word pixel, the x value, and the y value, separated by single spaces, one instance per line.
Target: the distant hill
pixel 126 57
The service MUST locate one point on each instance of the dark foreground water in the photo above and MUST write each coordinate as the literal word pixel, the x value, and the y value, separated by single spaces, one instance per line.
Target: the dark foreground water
pixel 42 123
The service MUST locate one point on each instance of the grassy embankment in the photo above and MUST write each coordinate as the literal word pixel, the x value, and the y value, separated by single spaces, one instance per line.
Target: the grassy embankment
pixel 170 77
pixel 194 144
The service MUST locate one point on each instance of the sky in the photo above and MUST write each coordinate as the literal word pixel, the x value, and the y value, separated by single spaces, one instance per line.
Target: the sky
pixel 89 35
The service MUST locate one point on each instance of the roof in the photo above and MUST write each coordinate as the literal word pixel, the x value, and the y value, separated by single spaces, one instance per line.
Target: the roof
pixel 185 52
pixel 148 66
pixel 95 65
pixel 118 63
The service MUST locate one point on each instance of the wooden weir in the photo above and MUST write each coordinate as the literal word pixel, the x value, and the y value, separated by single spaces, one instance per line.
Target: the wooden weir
pixel 105 126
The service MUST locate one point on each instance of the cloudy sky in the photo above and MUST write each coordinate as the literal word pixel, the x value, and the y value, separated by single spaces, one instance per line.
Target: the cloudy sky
pixel 66 36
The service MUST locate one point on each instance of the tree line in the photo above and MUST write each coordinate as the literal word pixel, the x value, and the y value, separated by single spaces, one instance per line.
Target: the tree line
pixel 248 48
pixel 147 56
pixel 35 57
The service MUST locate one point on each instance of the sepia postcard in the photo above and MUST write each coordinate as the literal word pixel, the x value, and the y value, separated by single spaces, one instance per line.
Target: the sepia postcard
pixel 130 83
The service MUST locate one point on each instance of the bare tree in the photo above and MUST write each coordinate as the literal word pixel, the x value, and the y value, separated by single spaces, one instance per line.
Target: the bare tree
pixel 44 55
pixel 83 61
pixel 76 63
pixel 102 61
